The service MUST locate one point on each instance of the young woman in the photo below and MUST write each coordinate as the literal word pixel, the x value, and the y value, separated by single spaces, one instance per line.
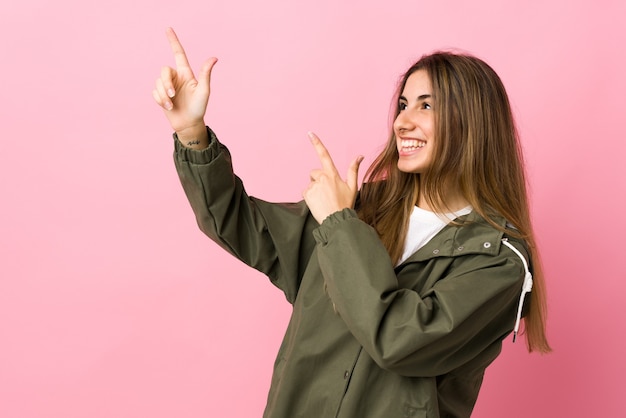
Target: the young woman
pixel 403 291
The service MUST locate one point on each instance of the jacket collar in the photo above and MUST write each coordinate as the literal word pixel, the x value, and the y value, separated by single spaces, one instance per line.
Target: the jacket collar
pixel 472 235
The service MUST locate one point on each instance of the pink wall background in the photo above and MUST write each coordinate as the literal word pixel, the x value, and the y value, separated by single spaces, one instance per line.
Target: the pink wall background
pixel 112 303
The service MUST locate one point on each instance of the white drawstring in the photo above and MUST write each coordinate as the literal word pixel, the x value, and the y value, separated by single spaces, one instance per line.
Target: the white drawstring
pixel 526 287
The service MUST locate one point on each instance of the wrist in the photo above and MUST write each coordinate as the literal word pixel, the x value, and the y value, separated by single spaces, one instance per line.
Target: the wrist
pixel 195 137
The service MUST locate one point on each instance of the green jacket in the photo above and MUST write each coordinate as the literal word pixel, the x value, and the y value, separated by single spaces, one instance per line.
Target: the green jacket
pixel 365 339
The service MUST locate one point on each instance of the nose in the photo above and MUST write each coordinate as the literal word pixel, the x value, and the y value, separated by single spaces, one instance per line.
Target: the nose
pixel 403 122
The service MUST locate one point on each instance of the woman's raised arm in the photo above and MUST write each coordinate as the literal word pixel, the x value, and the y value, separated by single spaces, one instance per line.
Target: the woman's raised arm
pixel 184 98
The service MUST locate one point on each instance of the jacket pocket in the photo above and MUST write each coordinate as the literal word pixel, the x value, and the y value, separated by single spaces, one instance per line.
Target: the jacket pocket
pixel 411 411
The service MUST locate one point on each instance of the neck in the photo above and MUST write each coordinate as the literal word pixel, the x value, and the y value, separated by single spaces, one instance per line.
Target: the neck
pixel 452 202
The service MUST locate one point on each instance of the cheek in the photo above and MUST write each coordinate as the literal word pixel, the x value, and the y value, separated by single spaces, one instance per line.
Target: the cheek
pixel 431 123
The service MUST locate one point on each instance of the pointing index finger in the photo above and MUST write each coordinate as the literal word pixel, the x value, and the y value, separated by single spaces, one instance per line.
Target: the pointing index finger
pixel 177 48
pixel 322 153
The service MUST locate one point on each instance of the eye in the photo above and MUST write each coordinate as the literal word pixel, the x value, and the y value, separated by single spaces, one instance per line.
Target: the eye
pixel 426 106
pixel 401 106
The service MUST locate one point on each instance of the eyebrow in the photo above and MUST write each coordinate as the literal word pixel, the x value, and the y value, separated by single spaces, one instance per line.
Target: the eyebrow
pixel 419 98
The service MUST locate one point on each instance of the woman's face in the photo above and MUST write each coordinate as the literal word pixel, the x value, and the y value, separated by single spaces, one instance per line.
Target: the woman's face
pixel 414 126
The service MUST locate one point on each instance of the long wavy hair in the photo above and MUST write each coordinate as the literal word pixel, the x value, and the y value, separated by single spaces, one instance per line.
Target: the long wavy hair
pixel 476 152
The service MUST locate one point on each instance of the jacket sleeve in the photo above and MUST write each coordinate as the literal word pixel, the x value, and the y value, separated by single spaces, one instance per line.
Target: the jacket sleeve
pixel 275 239
pixel 464 314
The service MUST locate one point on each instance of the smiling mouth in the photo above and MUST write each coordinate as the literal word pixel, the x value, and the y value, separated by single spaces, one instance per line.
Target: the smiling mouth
pixel 408 145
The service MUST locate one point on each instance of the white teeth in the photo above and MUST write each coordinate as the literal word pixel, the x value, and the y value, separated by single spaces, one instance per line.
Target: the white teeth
pixel 411 144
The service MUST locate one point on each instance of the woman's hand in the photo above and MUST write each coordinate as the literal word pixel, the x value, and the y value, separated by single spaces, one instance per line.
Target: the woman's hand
pixel 184 98
pixel 328 192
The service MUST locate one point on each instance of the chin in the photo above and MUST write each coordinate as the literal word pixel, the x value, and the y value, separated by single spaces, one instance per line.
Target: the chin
pixel 409 169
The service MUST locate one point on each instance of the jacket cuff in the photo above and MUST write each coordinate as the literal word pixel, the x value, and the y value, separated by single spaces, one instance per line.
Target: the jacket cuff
pixel 203 156
pixel 325 230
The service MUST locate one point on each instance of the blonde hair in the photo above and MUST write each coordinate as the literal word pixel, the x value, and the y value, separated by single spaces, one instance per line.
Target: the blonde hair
pixel 477 151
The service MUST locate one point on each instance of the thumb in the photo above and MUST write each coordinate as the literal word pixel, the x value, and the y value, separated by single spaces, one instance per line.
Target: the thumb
pixel 353 173
pixel 204 78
